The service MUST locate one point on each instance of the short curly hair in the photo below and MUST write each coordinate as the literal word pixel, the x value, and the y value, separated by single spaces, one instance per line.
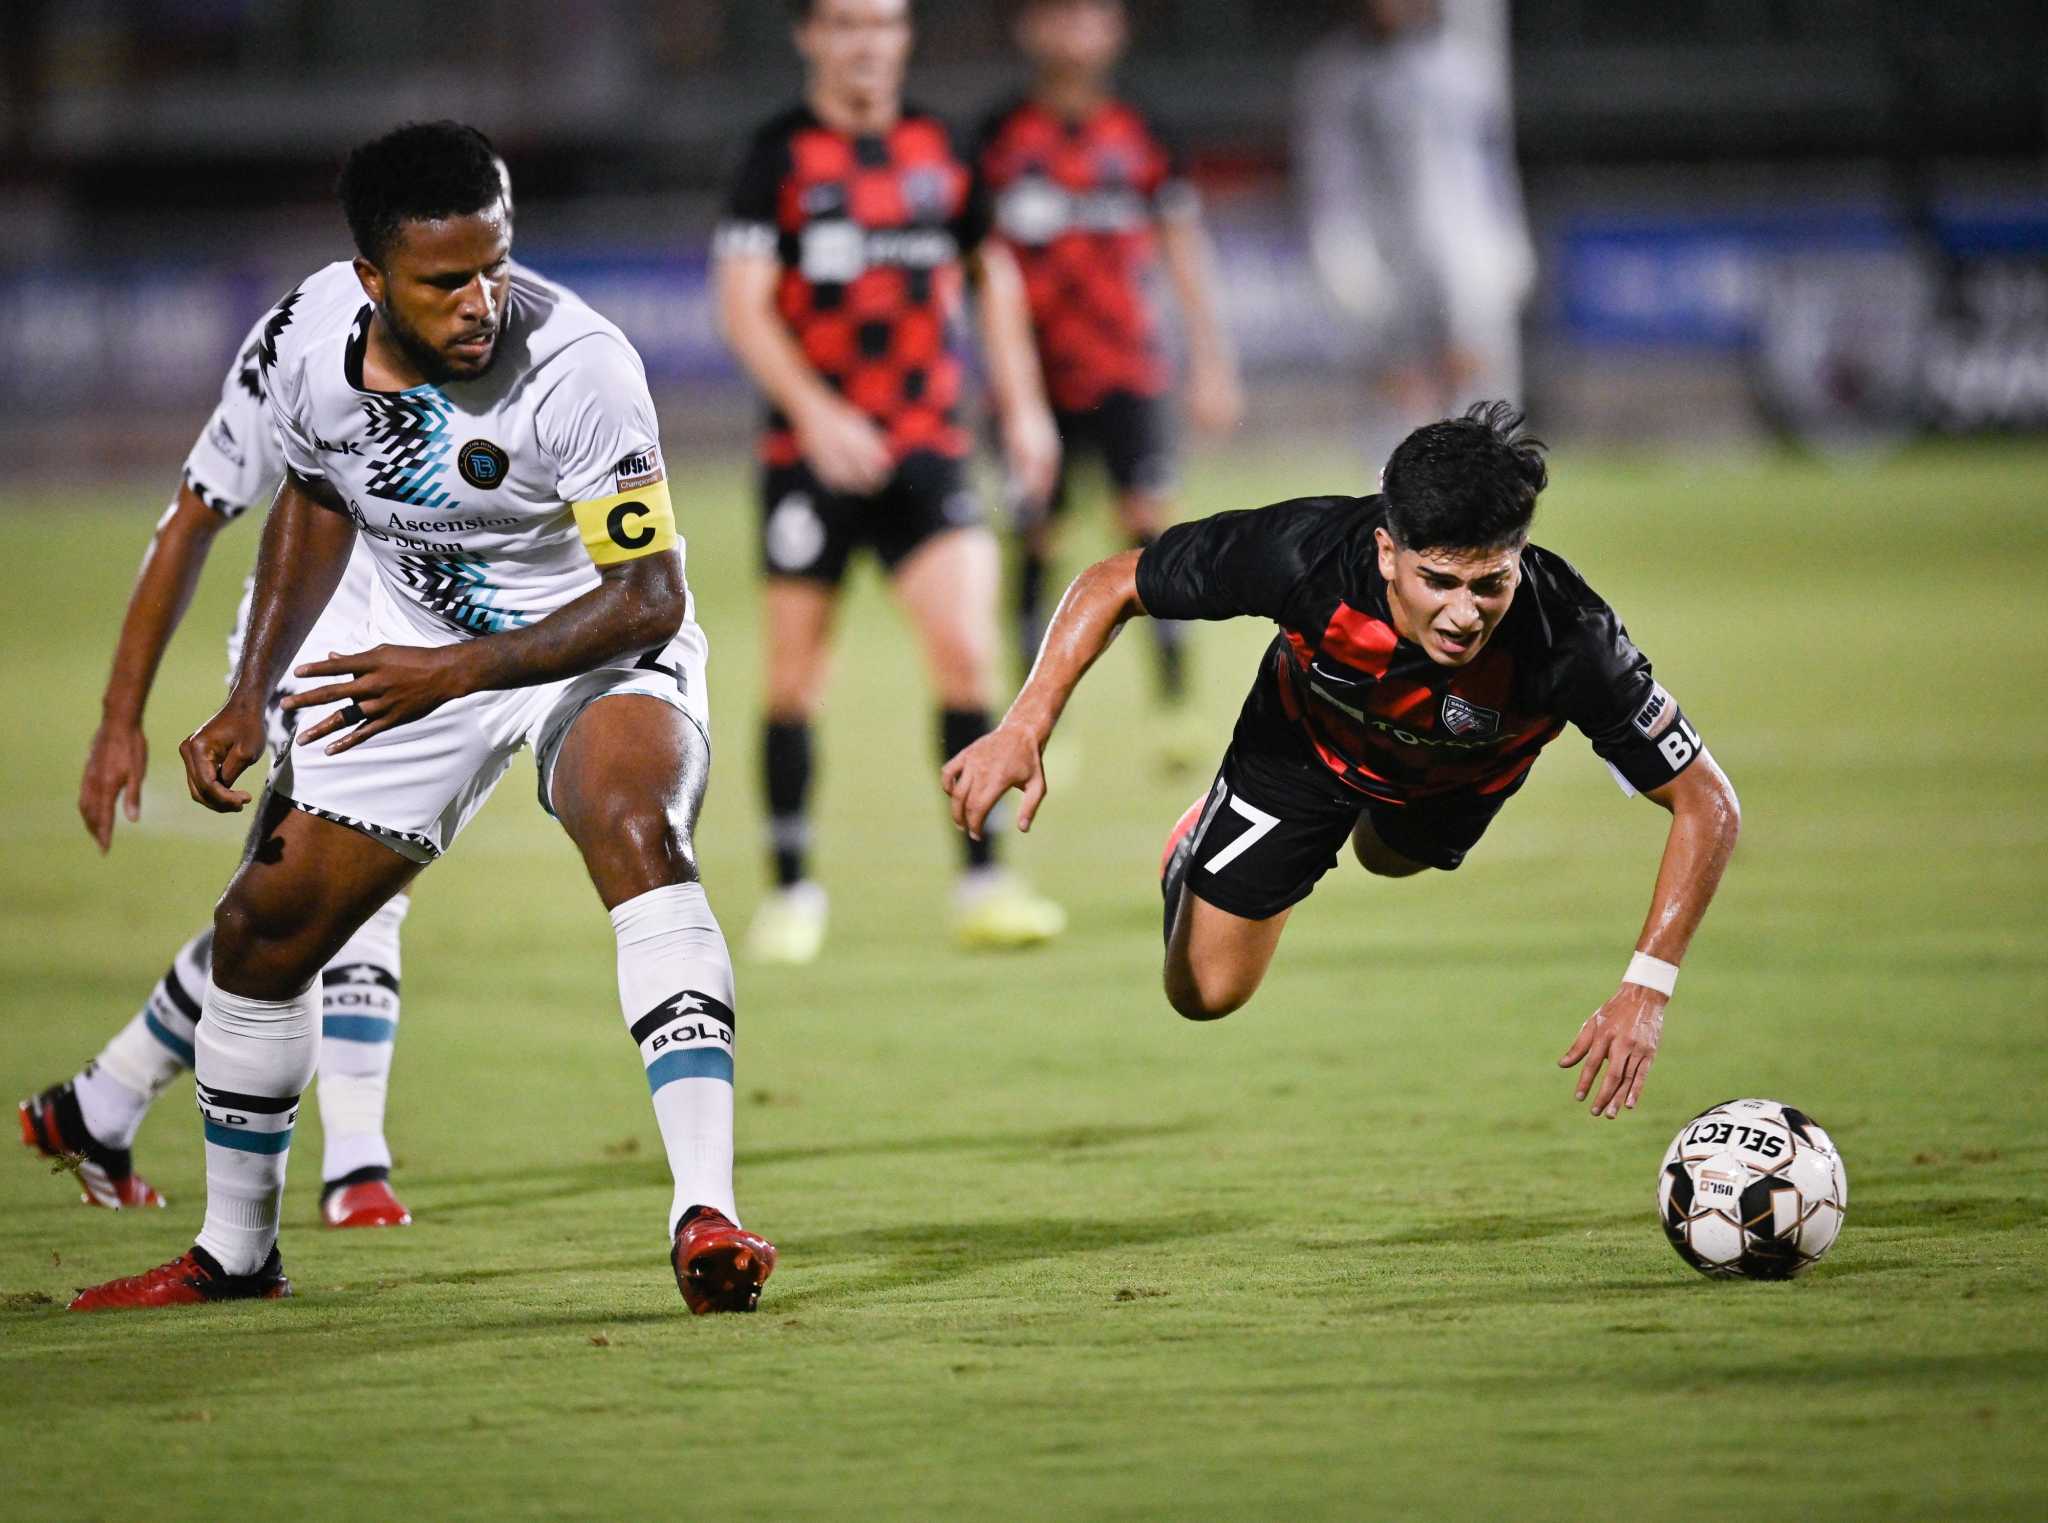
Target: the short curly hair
pixel 1466 483
pixel 421 172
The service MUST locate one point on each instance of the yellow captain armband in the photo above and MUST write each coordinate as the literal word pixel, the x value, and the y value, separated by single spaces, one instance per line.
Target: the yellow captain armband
pixel 628 526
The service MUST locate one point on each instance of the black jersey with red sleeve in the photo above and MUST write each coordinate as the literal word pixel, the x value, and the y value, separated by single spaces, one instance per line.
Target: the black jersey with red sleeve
pixel 870 230
pixel 1077 200
pixel 1379 714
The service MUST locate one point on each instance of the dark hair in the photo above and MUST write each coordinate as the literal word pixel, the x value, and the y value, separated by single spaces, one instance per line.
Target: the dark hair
pixel 422 172
pixel 1466 483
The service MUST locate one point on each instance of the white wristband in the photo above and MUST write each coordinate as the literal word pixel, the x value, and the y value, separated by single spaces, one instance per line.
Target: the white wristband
pixel 1652 973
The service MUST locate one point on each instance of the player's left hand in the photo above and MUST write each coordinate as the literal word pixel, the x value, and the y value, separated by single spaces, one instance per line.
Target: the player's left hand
pixel 1622 1034
pixel 389 685
pixel 1031 451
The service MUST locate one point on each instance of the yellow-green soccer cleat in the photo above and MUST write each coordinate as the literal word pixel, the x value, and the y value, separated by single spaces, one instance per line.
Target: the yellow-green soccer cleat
pixel 789 927
pixel 993 910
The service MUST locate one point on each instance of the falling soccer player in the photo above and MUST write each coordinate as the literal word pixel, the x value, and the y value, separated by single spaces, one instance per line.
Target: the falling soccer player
pixel 490 439
pixel 853 226
pixel 1427 652
pixel 1097 205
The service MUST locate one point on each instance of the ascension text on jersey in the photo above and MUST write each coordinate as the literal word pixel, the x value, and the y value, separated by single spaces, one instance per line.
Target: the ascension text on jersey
pixel 488 503
pixel 1382 717
pixel 869 230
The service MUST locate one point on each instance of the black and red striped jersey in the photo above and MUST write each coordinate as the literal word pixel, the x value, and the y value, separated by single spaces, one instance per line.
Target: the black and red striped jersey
pixel 1077 200
pixel 1384 718
pixel 870 230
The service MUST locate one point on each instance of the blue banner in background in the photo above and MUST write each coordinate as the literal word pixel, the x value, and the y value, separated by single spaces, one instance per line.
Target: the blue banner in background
pixel 161 336
pixel 1704 281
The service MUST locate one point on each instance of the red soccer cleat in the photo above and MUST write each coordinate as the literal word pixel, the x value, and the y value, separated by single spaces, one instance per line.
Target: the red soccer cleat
pixel 366 1203
pixel 719 1266
pixel 188 1281
pixel 1179 833
pixel 52 1125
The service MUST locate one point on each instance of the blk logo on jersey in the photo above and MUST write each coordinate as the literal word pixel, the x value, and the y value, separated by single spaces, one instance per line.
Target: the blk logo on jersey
pixel 1466 719
pixel 482 464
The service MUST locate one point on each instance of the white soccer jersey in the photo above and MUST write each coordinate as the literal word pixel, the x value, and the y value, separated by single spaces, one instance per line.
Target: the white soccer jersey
pixel 236 463
pixel 484 504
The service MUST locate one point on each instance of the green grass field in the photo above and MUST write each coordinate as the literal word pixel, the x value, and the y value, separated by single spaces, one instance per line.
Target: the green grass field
pixel 1049 1251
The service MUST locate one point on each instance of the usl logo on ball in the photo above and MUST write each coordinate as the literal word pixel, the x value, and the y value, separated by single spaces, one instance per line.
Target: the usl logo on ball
pixel 482 463
pixel 1752 1189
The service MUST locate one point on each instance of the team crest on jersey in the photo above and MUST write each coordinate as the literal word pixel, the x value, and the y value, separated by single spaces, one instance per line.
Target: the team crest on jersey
pixel 483 464
pixel 1464 719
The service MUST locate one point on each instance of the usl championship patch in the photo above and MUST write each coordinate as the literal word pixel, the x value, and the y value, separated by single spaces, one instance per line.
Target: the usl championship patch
pixel 640 469
pixel 1462 718
pixel 483 464
pixel 1655 713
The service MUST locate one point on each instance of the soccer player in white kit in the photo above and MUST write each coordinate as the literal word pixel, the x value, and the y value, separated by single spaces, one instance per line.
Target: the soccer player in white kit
pixel 235 463
pixel 490 440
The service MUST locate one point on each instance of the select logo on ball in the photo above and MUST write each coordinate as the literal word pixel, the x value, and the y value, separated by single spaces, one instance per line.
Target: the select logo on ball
pixel 483 464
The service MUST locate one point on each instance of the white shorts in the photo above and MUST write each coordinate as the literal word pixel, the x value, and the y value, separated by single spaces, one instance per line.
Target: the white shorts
pixel 414 787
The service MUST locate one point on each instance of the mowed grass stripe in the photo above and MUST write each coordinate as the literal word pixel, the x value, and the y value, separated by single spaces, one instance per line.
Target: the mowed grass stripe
pixel 1050 1252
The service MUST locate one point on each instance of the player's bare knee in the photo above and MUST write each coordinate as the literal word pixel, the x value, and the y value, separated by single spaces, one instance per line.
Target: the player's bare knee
pixel 1193 1001
pixel 632 848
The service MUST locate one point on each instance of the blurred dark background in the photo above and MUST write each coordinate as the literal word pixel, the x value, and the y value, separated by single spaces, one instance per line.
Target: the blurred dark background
pixel 1749 215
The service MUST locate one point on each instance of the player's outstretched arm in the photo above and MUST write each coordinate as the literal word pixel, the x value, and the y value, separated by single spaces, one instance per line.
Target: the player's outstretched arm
pixel 1031 440
pixel 1009 756
pixel 306 543
pixel 119 755
pixel 1623 1034
pixel 636 606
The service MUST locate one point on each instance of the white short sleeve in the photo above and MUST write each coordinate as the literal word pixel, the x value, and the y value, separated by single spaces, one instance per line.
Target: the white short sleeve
pixel 597 423
pixel 236 461
pixel 279 360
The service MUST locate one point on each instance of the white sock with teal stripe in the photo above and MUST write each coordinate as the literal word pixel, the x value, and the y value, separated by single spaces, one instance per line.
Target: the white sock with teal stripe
pixel 116 1088
pixel 254 1059
pixel 675 987
pixel 358 1027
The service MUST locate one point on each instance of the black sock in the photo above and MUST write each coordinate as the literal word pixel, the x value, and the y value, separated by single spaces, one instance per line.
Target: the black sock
pixel 1031 572
pixel 1169 641
pixel 959 729
pixel 786 758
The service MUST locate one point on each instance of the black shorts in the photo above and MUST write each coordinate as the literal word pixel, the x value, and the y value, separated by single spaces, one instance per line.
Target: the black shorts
pixel 1130 434
pixel 810 531
pixel 1276 819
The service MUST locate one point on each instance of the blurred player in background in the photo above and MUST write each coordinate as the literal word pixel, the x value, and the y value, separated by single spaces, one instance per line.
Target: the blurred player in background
pixel 1093 201
pixel 851 227
pixel 236 462
pixel 1427 653
pixel 489 441
pixel 1404 152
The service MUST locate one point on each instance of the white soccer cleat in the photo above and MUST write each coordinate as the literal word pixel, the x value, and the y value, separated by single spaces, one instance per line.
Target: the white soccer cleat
pixel 789 927
pixel 994 910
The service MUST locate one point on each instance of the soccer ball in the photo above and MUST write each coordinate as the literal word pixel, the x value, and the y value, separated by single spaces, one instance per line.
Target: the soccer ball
pixel 1752 1189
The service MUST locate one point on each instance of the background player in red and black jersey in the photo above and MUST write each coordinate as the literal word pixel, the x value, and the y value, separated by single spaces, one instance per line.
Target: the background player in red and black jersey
pixel 1426 653
pixel 854 224
pixel 1094 203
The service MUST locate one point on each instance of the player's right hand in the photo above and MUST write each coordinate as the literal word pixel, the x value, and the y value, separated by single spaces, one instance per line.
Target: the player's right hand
pixel 220 751
pixel 976 779
pixel 114 766
pixel 843 448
